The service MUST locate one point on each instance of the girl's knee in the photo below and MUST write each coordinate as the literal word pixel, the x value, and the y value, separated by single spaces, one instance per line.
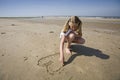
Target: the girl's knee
pixel 72 36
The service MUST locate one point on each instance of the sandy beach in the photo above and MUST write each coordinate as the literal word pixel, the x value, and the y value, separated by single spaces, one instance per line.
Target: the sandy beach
pixel 29 50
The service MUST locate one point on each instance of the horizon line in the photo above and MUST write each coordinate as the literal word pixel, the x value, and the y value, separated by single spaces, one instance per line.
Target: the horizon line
pixel 60 16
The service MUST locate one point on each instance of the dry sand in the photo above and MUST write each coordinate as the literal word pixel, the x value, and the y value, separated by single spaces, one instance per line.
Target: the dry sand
pixel 29 50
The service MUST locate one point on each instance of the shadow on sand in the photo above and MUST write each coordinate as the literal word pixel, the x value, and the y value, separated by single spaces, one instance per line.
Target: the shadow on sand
pixel 86 51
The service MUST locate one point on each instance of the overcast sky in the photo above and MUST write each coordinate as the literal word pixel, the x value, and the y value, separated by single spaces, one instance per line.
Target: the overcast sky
pixel 59 7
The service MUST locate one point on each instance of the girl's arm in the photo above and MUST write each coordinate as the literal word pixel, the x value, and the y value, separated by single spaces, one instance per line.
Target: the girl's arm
pixel 79 31
pixel 62 48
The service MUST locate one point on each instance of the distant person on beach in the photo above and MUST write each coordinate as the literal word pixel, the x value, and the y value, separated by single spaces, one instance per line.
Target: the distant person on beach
pixel 71 33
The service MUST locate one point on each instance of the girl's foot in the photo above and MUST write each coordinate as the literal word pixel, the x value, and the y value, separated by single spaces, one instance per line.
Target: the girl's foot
pixel 68 51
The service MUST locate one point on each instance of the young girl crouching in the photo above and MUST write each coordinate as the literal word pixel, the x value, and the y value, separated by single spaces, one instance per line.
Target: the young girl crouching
pixel 71 33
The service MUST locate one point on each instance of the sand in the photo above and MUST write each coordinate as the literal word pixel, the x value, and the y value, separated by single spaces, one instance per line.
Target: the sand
pixel 29 50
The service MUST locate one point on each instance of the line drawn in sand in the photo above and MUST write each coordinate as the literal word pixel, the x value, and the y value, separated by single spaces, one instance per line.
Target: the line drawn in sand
pixel 51 64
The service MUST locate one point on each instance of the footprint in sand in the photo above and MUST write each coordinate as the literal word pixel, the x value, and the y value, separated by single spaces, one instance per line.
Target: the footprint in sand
pixel 51 32
pixel 12 24
pixel 2 54
pixel 3 32
pixel 25 58
pixel 51 64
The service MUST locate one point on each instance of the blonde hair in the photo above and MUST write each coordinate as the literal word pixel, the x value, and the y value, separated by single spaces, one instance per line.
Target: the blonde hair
pixel 76 20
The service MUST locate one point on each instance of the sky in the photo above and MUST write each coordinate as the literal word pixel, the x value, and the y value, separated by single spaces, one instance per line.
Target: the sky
pixel 22 8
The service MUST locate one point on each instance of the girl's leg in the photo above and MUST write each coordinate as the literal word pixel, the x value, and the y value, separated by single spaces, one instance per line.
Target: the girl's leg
pixel 70 38
pixel 79 40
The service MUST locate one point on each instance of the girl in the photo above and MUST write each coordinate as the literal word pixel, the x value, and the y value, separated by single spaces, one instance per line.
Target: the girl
pixel 71 32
